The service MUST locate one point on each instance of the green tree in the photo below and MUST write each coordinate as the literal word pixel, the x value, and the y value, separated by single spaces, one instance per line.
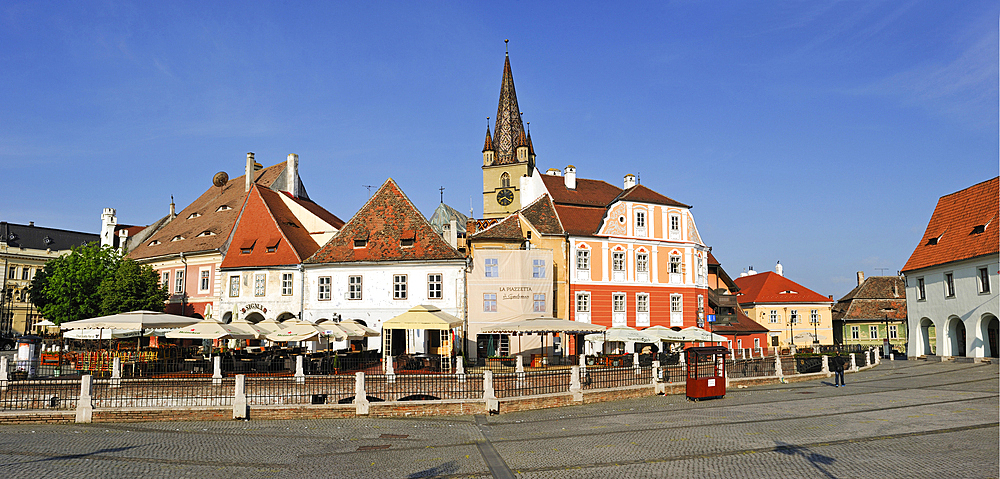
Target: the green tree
pixel 94 281
pixel 131 287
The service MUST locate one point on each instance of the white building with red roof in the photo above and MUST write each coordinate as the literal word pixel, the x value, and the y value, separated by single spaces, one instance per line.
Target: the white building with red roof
pixel 793 314
pixel 951 277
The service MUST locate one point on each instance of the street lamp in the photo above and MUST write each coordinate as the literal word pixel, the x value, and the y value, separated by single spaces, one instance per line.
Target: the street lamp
pixel 885 342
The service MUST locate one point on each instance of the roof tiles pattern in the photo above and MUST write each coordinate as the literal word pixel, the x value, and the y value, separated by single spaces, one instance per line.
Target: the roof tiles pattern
pixel 542 215
pixel 878 297
pixel 771 287
pixel 641 194
pixel 953 233
pixel 266 223
pixel 508 228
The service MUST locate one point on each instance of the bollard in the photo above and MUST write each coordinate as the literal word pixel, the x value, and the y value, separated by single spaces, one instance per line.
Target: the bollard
pixel 574 384
pixel 85 404
pixel 3 373
pixel 217 371
pixel 489 395
pixel 390 373
pixel 460 369
pixel 777 367
pixel 583 366
pixel 240 408
pixel 826 365
pixel 635 363
pixel 116 373
pixel 854 363
pixel 360 396
pixel 520 369
pixel 300 375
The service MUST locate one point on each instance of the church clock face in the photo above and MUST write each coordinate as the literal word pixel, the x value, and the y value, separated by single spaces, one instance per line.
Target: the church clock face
pixel 505 197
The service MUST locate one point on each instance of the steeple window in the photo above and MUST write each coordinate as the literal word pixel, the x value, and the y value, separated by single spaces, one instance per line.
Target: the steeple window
pixel 505 180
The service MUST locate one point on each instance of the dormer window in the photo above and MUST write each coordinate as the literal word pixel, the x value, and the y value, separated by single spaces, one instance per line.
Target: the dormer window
pixel 177 238
pixel 272 244
pixel 223 208
pixel 247 246
pixel 48 240
pixel 154 242
pixel 361 242
pixel 193 215
pixel 934 240
pixel 407 238
pixel 787 291
pixel 205 233
pixel 978 229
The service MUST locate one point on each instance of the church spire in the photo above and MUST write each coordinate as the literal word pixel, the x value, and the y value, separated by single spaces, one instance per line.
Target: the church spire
pixel 509 128
pixel 488 147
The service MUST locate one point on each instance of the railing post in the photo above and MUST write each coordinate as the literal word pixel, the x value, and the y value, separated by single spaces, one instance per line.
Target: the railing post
pixel 85 405
pixel 360 396
pixel 854 363
pixel 116 373
pixel 574 384
pixel 300 375
pixel 460 369
pixel 520 369
pixel 658 383
pixel 583 366
pixel 777 367
pixel 390 373
pixel 240 407
pixel 3 373
pixel 489 394
pixel 826 365
pixel 635 362
pixel 217 371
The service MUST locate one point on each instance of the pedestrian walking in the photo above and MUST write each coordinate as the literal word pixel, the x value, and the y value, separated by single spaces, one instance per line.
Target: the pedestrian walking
pixel 838 370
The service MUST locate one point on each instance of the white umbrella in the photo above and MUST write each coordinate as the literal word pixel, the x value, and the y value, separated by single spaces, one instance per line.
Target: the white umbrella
pixel 94 334
pixel 211 329
pixel 355 329
pixel 544 325
pixel 696 334
pixel 622 333
pixel 809 336
pixel 132 320
pixel 664 334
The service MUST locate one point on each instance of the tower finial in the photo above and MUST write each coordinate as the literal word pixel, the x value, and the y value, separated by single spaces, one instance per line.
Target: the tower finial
pixel 442 194
pixel 506 51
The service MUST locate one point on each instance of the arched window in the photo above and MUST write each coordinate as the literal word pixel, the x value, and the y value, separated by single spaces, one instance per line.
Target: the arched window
pixel 505 180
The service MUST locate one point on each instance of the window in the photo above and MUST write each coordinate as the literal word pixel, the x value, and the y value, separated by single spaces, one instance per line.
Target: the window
pixel 583 302
pixel 984 280
pixel 323 288
pixel 582 259
pixel 814 316
pixel 618 302
pixel 259 284
pixel 701 302
pixel 178 282
pixel 539 303
pixel 203 282
pixel 165 278
pixel 949 285
pixel 399 286
pixel 538 268
pixel 12 274
pixel 234 286
pixel 921 293
pixel 642 262
pixel 618 261
pixel 873 332
pixel 675 264
pixel 25 272
pixel 794 316
pixel 893 332
pixel 855 332
pixel 492 268
pixel 756 343
pixel 434 290
pixel 676 304
pixel 640 219
pixel 642 302
pixel 675 227
pixel 489 302
pixel 361 243
pixel 505 180
pixel 286 284
pixel 774 315
pixel 354 287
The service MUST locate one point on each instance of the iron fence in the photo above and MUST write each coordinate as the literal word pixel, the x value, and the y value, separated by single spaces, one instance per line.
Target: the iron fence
pixel 605 377
pixel 808 364
pixel 751 368
pixel 423 387
pixel 162 393
pixel 531 383
pixel 56 394
pixel 276 391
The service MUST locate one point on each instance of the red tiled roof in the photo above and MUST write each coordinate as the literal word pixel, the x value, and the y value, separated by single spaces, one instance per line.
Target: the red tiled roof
pixel 382 222
pixel 771 287
pixel 641 194
pixel 872 299
pixel 542 215
pixel 953 227
pixel 192 231
pixel 581 220
pixel 587 192
pixel 508 228
pixel 265 222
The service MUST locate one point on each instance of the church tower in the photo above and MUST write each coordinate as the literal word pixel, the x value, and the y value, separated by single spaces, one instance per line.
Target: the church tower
pixel 507 153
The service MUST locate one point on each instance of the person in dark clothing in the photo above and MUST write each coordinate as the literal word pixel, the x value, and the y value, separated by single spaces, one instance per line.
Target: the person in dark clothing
pixel 838 369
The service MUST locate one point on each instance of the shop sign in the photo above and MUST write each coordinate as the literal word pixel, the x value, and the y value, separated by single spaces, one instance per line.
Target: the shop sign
pixel 253 306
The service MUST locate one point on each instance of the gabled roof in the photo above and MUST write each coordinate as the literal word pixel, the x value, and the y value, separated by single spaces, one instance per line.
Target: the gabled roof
pixel 265 223
pixel 580 220
pixel 201 226
pixel 380 227
pixel 508 228
pixel 641 194
pixel 742 324
pixel 543 217
pixel 39 237
pixel 871 300
pixel 771 287
pixel 587 192
pixel 315 209
pixel 964 225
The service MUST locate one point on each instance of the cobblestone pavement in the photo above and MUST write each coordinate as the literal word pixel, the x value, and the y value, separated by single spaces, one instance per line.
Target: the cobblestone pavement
pixel 902 419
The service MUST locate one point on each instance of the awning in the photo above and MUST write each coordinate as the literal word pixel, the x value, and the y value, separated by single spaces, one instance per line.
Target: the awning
pixel 423 317
pixel 212 329
pixel 355 329
pixel 622 333
pixel 696 334
pixel 664 334
pixel 132 320
pixel 545 325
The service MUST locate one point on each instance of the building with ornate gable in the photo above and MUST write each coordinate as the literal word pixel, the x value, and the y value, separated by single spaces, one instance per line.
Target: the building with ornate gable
pixel 951 277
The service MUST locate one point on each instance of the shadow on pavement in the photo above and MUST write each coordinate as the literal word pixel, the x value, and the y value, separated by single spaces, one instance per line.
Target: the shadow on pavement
pixel 444 469
pixel 817 460
pixel 73 456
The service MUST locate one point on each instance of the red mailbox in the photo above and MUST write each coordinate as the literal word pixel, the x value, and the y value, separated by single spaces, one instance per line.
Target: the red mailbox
pixel 706 372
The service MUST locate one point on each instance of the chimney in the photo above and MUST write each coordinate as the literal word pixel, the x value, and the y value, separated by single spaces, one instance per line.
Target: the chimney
pixel 292 174
pixel 570 180
pixel 248 174
pixel 452 232
pixel 861 277
pixel 173 208
pixel 629 181
pixel 553 172
pixel 779 269
pixel 31 223
pixel 108 223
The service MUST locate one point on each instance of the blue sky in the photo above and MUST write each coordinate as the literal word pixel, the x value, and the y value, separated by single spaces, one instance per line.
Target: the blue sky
pixel 819 134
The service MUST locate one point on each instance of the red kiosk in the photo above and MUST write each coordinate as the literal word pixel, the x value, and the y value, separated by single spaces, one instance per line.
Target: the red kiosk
pixel 706 372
